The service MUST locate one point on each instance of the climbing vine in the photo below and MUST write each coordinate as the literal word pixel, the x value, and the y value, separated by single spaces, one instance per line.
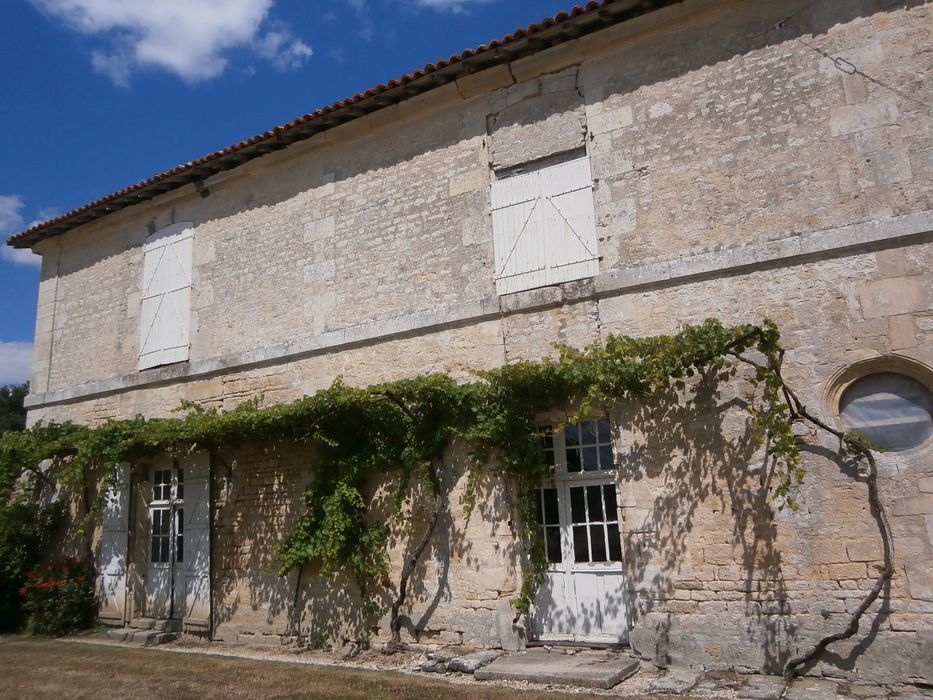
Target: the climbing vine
pixel 399 431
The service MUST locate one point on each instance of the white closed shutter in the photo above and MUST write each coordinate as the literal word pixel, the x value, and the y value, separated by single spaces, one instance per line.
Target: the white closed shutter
pixel 111 552
pixel 544 227
pixel 166 299
pixel 196 569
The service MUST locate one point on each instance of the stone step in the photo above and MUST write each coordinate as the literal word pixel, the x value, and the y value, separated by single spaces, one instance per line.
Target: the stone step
pixel 162 625
pixel 457 660
pixel 142 637
pixel 585 669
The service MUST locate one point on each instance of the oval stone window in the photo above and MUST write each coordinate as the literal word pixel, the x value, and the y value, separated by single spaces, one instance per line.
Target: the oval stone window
pixel 892 410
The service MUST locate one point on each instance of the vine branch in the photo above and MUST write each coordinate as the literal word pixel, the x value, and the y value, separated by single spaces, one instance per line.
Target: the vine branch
pixel 798 412
pixel 411 562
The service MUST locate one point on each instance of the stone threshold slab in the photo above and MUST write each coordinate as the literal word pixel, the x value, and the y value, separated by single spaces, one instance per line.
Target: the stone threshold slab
pixel 584 669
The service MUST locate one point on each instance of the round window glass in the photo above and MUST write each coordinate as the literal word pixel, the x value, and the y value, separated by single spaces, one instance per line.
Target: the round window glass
pixel 892 410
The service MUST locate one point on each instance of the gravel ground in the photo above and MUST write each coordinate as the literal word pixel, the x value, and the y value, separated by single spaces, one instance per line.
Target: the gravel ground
pixel 407 662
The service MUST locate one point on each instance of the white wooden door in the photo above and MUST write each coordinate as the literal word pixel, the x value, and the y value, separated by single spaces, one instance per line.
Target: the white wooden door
pixel 196 565
pixel 166 540
pixel 583 597
pixel 178 571
pixel 111 554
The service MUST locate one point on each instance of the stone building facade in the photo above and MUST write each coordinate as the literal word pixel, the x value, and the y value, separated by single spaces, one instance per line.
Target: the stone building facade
pixel 743 159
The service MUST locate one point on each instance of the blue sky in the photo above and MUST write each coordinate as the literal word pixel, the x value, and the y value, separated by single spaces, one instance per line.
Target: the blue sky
pixel 99 94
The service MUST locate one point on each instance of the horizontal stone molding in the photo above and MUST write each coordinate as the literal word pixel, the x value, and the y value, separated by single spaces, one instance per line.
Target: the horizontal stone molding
pixel 793 249
pixel 789 250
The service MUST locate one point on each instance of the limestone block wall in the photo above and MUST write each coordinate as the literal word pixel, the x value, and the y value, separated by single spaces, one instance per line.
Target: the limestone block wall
pixel 755 134
pixel 472 564
pixel 457 351
pixel 719 574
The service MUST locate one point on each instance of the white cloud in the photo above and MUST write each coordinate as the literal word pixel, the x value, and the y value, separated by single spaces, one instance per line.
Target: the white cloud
pixel 360 7
pixel 281 49
pixel 11 221
pixel 114 66
pixel 186 37
pixel 365 28
pixel 11 217
pixel 15 362
pixel 449 5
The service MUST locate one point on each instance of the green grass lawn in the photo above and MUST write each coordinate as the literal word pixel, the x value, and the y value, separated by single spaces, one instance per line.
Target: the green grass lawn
pixel 33 668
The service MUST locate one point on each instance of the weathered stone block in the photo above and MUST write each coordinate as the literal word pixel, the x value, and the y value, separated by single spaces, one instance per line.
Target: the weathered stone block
pixel 535 128
pixel 902 334
pixel 858 117
pixel 894 296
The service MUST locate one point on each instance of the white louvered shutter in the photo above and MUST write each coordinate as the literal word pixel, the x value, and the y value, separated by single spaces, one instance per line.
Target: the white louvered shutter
pixel 166 299
pixel 196 568
pixel 111 550
pixel 544 227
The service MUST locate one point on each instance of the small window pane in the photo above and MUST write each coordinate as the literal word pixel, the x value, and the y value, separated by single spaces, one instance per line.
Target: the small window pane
pixel 588 432
pixel 605 434
pixel 577 506
pixel 581 551
pixel 573 460
pixel 161 484
pixel 598 542
pixel 615 546
pixel 571 436
pixel 539 515
pixel 154 549
pixel 590 459
pixel 179 535
pixel 612 507
pixel 551 516
pixel 547 437
pixel 552 544
pixel 594 501
pixel 159 522
pixel 893 411
pixel 605 457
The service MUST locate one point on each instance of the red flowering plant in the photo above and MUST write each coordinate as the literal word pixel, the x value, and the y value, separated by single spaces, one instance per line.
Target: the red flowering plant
pixel 58 598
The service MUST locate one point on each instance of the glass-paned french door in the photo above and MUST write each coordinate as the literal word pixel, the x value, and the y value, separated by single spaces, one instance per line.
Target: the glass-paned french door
pixel 583 597
pixel 165 595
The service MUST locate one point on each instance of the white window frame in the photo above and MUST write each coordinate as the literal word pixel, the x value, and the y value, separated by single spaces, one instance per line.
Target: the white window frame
pixel 165 305
pixel 563 480
pixel 544 226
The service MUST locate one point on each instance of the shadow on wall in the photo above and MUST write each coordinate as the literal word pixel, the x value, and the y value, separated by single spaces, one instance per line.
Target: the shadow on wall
pixel 469 566
pixel 473 560
pixel 700 542
pixel 257 498
pixel 716 571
